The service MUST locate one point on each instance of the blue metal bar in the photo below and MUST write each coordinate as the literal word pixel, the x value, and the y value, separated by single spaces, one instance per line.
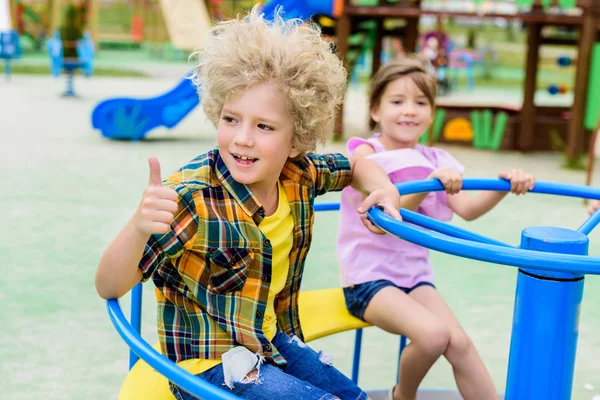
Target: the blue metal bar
pixel 327 206
pixel 7 69
pixel 590 223
pixel 356 358
pixel 402 346
pixel 160 363
pixel 441 227
pixel 545 322
pixel 501 185
pixel 136 318
pixel 574 264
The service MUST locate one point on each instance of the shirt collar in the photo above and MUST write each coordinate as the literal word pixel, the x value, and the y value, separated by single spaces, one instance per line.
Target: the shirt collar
pixel 293 170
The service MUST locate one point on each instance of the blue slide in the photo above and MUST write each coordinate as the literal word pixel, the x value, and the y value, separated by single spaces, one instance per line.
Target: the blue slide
pixel 132 119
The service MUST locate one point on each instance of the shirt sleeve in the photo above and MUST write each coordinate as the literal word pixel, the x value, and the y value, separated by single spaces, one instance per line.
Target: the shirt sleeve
pixel 181 235
pixel 332 172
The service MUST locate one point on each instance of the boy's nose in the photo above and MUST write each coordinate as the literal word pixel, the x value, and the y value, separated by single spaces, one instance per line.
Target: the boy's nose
pixel 244 137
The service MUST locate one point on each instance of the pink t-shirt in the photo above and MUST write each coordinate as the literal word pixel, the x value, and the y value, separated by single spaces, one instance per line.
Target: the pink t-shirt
pixel 365 256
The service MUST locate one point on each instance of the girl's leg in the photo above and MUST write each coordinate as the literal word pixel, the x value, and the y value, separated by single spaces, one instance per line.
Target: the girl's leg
pixel 270 383
pixel 315 368
pixel 472 377
pixel 396 312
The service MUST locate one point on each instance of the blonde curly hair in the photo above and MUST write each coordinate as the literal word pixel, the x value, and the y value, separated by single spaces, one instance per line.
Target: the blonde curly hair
pixel 250 50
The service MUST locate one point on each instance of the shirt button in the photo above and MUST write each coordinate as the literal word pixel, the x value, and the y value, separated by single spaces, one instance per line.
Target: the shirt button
pixel 330 161
pixel 259 314
pixel 267 242
pixel 232 263
pixel 266 278
pixel 268 347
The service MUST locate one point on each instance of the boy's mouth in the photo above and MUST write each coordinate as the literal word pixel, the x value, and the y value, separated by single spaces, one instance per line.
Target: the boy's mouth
pixel 407 123
pixel 244 160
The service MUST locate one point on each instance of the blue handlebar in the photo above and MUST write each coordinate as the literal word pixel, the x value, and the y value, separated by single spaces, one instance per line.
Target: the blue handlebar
pixel 485 250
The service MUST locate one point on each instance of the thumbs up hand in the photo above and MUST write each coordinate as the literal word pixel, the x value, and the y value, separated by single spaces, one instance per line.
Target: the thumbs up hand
pixel 155 212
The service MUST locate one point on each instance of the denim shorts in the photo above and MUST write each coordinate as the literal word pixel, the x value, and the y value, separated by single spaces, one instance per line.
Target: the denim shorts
pixel 308 375
pixel 359 296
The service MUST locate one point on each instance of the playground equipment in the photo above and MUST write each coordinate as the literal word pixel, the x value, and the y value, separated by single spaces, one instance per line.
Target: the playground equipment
pixel 59 63
pixel 593 116
pixel 10 49
pixel 304 9
pixel 536 15
pixel 10 46
pixel 552 264
pixel 187 22
pixel 132 119
pixel 562 62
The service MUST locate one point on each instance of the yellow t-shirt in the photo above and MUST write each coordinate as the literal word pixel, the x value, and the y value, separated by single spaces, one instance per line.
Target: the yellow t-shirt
pixel 278 228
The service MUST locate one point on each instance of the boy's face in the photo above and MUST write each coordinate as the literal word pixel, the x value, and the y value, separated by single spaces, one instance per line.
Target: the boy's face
pixel 255 136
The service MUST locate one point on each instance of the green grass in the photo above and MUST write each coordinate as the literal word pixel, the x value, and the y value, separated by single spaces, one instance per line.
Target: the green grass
pixel 21 69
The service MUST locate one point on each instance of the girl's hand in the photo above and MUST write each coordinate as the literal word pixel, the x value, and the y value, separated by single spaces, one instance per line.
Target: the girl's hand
pixel 156 210
pixel 520 181
pixel 450 178
pixel 387 199
pixel 594 206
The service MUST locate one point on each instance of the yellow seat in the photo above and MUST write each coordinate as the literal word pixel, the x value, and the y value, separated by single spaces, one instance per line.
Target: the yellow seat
pixel 322 313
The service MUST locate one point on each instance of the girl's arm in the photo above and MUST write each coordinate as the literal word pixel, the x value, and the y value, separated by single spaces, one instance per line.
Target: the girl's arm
pixel 118 269
pixel 472 207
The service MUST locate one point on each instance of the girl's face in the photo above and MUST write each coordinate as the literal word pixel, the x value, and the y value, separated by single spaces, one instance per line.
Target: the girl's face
pixel 404 114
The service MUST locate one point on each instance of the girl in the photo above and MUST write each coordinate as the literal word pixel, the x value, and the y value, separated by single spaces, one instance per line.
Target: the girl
pixel 388 282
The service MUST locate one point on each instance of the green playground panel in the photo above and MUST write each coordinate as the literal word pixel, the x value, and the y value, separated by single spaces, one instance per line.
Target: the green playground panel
pixel 593 103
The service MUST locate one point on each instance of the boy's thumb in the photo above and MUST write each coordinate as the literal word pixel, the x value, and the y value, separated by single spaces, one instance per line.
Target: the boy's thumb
pixel 155 179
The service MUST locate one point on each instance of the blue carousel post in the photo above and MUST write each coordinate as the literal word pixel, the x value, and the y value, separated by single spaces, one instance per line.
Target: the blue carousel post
pixel 546 320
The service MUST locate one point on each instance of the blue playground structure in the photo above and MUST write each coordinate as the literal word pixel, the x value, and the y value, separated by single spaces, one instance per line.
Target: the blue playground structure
pixel 552 265
pixel 10 49
pixel 132 119
pixel 303 9
pixel 83 62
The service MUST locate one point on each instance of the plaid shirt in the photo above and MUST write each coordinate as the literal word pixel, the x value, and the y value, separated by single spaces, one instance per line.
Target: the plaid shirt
pixel 212 270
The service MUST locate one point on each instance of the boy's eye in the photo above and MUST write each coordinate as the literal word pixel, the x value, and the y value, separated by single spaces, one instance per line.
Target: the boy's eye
pixel 228 119
pixel 265 127
pixel 396 102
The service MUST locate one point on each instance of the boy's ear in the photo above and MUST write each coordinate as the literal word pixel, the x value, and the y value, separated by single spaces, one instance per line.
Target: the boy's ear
pixel 375 114
pixel 293 153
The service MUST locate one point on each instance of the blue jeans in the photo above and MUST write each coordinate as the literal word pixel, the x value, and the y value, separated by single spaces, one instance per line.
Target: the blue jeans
pixel 307 376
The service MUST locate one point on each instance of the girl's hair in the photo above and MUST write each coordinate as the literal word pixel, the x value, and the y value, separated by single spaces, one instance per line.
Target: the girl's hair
pixel 409 65
pixel 292 55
